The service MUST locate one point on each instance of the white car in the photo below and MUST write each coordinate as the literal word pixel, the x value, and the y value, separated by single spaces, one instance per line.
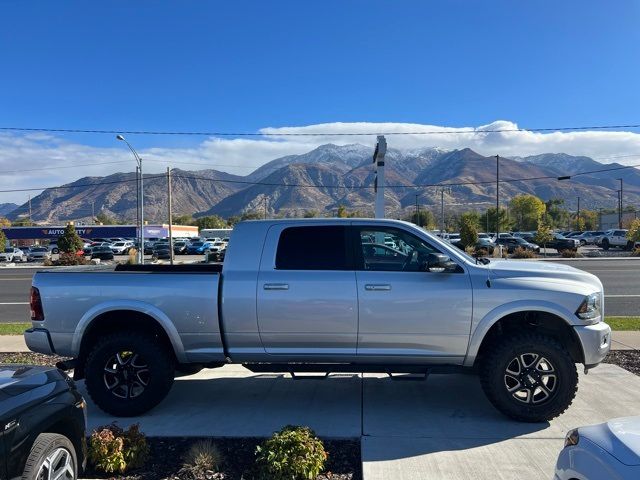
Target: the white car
pixel 53 248
pixel 121 248
pixel 608 451
pixel 38 253
pixel 613 238
pixel 12 254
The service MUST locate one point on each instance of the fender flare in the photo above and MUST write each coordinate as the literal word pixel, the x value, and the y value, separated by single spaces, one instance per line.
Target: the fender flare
pixel 135 306
pixel 489 320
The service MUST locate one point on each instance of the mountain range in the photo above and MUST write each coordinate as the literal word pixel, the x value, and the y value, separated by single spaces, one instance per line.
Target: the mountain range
pixel 330 176
pixel 7 208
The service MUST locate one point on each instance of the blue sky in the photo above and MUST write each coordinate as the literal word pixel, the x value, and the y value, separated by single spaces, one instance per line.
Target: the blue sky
pixel 248 65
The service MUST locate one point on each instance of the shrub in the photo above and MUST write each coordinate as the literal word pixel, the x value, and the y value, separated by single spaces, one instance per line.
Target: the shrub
pixel 47 262
pixel 293 453
pixel 66 259
pixel 114 450
pixel 202 461
pixel 523 253
pixel 569 254
pixel 69 242
pixel 132 256
pixel 636 252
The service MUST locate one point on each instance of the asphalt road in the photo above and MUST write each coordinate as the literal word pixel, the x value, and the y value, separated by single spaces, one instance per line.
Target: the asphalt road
pixel 620 277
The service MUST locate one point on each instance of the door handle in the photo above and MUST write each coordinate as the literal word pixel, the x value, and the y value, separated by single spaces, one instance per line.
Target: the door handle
pixel 276 286
pixel 377 287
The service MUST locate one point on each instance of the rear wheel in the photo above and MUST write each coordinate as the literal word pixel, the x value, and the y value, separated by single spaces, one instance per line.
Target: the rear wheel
pixel 128 373
pixel 52 456
pixel 529 377
pixel 605 244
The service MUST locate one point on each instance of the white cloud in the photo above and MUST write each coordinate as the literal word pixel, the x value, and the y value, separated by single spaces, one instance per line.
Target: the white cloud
pixel 50 159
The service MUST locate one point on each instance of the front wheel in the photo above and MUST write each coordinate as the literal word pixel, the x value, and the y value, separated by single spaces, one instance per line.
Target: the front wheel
pixel 605 244
pixel 51 456
pixel 529 377
pixel 128 373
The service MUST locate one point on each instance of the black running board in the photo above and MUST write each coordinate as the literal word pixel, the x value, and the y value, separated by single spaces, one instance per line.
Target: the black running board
pixel 327 368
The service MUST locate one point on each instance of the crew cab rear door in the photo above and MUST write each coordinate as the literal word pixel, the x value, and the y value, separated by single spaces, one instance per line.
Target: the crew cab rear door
pixel 306 300
pixel 405 312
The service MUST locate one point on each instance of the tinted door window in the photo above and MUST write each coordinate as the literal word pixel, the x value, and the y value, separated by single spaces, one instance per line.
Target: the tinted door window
pixel 313 248
pixel 390 249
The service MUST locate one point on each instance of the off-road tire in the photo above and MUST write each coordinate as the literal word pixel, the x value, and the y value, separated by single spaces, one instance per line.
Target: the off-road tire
pixel 605 244
pixel 160 374
pixel 45 445
pixel 497 360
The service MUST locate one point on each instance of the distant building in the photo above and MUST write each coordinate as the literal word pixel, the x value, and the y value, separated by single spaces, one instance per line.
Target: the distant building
pixel 52 232
pixel 610 220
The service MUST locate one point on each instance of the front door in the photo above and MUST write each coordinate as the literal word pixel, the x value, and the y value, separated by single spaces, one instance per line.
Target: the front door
pixel 404 311
pixel 307 299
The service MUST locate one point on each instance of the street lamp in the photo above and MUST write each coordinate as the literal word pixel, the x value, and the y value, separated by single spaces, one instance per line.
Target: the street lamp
pixel 139 162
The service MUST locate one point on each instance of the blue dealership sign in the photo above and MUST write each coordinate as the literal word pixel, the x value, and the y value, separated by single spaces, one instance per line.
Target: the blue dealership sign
pixel 52 233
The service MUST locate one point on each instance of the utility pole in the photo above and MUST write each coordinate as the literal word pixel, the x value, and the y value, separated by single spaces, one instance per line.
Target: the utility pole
pixel 497 197
pixel 170 216
pixel 578 219
pixel 29 209
pixel 93 212
pixel 138 204
pixel 620 206
pixel 378 160
pixel 442 210
pixel 417 211
pixel 265 206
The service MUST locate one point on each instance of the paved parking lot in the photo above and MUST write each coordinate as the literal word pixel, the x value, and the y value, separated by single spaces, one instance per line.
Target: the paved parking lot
pixel 443 428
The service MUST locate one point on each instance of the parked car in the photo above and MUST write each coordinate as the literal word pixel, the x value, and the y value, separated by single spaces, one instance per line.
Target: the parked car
pixel 559 242
pixel 588 237
pixel 615 238
pixel 513 243
pixel 102 252
pixel 88 250
pixel 180 247
pixel 198 248
pixel 483 245
pixel 307 295
pixel 12 254
pixel 607 451
pixel 38 253
pixel 44 424
pixel 122 248
pixel 161 251
pixel 53 248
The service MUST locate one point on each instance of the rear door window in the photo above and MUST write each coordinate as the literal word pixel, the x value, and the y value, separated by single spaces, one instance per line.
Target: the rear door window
pixel 313 248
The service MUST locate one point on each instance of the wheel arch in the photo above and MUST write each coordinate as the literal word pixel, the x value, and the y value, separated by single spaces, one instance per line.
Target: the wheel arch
pixel 540 318
pixel 135 317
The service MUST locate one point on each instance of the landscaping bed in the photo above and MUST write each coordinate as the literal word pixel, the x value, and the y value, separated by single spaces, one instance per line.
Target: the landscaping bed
pixel 167 454
pixel 627 359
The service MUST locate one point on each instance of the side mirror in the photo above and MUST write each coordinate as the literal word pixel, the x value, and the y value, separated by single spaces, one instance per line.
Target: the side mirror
pixel 439 263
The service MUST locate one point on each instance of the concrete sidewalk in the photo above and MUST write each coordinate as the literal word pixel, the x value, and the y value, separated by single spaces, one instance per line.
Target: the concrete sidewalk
pixel 442 428
pixel 621 340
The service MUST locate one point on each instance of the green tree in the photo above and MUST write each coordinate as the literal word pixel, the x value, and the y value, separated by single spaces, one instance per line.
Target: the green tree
pixel 469 229
pixel 633 235
pixel 23 222
pixel 3 241
pixel 526 210
pixel 544 234
pixel 210 221
pixel 578 223
pixel 342 211
pixel 310 214
pixel 70 242
pixel 488 220
pixel 590 218
pixel 557 215
pixel 183 220
pixel 424 218
pixel 105 219
pixel 5 222
pixel 252 216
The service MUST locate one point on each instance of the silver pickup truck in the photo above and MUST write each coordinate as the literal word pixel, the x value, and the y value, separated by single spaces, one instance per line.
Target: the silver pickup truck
pixel 326 295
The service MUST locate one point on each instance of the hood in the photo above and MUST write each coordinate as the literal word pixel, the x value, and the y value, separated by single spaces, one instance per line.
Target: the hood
pixel 620 437
pixel 18 379
pixel 542 269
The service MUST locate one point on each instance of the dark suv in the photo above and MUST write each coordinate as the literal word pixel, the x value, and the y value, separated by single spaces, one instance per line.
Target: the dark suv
pixel 43 420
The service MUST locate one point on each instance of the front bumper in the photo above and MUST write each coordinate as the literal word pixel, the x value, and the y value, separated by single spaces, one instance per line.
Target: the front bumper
pixel 596 342
pixel 38 340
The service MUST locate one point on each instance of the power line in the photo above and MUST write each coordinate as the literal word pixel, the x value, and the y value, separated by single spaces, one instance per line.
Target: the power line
pixel 315 134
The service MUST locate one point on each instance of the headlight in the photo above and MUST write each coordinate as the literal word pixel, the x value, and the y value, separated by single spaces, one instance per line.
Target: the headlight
pixel 572 438
pixel 590 307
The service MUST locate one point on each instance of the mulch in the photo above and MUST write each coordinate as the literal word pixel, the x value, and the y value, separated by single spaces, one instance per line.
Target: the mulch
pixel 167 454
